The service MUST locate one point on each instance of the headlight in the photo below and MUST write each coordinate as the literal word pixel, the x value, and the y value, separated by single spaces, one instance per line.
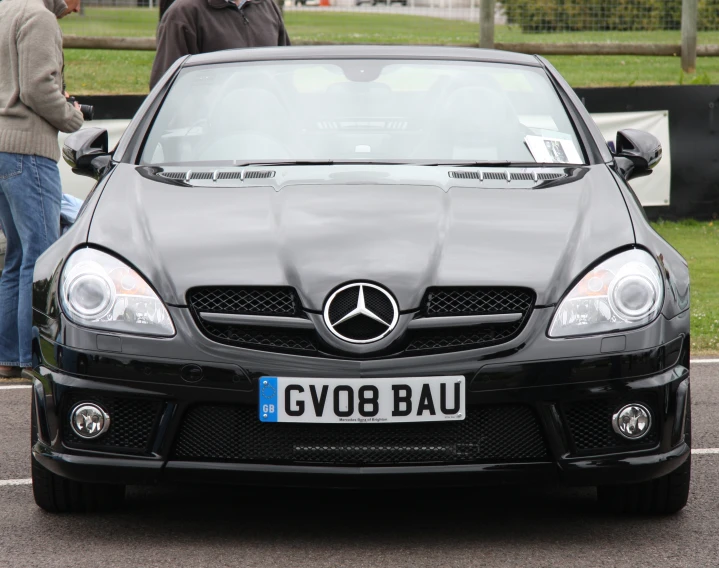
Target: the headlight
pixel 623 292
pixel 99 291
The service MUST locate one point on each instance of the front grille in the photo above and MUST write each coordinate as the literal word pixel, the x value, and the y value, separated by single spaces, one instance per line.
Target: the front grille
pixel 131 423
pixel 235 433
pixel 476 301
pixel 283 339
pixel 273 301
pixel 456 338
pixel 283 301
pixel 590 425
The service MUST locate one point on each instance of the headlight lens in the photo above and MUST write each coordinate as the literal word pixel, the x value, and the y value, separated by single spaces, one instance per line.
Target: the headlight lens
pixel 623 292
pixel 99 291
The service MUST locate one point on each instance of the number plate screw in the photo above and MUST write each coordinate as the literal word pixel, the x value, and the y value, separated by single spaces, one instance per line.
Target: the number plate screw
pixel 264 416
pixel 459 415
pixel 264 383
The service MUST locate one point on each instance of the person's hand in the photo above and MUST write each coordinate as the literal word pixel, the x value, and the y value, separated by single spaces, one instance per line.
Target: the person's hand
pixel 75 104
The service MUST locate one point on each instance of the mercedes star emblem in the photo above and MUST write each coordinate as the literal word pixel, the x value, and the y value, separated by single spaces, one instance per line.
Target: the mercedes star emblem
pixel 361 313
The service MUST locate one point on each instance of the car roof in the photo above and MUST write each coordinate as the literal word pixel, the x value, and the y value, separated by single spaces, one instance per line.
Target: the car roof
pixel 361 52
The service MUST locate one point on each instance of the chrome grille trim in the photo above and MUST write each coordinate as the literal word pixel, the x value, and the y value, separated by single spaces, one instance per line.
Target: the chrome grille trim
pixel 462 321
pixel 259 320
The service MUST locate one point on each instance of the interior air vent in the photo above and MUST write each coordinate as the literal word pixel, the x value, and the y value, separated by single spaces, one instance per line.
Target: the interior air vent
pixel 218 175
pixel 252 174
pixel 201 175
pixel 464 175
pixel 522 177
pixel 173 175
pixel 505 176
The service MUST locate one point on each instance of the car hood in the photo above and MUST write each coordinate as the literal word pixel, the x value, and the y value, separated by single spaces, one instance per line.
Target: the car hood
pixel 316 230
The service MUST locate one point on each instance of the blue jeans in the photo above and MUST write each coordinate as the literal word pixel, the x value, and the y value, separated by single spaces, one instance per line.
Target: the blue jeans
pixel 30 195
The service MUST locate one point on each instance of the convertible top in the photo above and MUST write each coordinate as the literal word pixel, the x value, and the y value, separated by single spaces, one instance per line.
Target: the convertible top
pixel 362 52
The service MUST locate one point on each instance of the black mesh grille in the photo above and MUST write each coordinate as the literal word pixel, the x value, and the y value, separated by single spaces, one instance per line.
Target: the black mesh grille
pixel 131 423
pixel 454 338
pixel 234 433
pixel 379 304
pixel 590 424
pixel 343 303
pixel 476 301
pixel 361 328
pixel 283 339
pixel 244 300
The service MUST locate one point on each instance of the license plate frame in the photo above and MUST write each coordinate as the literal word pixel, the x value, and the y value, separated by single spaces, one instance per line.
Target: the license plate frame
pixel 362 401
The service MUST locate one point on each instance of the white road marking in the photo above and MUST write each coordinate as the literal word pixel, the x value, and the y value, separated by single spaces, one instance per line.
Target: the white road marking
pixel 705 451
pixel 15 482
pixel 10 387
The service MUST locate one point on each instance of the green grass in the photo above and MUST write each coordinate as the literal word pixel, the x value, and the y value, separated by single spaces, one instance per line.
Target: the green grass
pixel 90 71
pixel 365 28
pixel 699 243
pixel 127 72
pixel 95 72
pixel 119 22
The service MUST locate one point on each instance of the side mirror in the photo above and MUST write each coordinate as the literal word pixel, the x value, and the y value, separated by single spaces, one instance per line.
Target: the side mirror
pixel 637 152
pixel 86 152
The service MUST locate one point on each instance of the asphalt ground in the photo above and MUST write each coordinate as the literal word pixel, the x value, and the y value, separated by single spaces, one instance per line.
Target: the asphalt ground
pixel 220 526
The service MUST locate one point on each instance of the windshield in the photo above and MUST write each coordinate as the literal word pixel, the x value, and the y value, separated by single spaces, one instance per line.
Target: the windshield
pixel 361 110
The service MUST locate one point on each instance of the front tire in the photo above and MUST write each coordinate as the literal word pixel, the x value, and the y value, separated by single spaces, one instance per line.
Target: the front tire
pixel 56 494
pixel 664 496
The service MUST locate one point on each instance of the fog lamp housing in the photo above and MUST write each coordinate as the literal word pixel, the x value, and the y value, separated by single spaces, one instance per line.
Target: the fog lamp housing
pixel 89 421
pixel 632 421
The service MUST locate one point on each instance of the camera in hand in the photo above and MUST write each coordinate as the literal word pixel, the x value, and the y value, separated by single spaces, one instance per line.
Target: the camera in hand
pixel 88 111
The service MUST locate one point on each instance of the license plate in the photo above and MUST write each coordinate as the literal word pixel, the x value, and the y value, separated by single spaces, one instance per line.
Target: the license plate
pixel 370 401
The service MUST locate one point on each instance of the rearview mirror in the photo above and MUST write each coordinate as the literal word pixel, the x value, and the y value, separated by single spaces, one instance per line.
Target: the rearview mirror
pixel 86 152
pixel 637 152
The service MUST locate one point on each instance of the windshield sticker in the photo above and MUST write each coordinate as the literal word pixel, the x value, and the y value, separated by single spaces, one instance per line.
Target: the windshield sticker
pixel 551 150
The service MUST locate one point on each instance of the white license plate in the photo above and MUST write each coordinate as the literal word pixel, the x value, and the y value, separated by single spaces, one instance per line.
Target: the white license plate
pixel 368 401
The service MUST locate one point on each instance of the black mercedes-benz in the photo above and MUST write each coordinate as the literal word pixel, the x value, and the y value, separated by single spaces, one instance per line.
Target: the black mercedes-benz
pixel 362 265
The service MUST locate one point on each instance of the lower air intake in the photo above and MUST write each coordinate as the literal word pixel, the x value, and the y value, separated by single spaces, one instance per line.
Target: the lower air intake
pixel 590 425
pixel 235 434
pixel 132 422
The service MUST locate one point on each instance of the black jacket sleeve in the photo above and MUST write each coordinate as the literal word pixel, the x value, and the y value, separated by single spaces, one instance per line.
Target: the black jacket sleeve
pixel 283 37
pixel 175 38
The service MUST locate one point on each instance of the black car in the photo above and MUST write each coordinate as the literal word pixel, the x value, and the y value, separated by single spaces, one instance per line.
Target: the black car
pixel 362 265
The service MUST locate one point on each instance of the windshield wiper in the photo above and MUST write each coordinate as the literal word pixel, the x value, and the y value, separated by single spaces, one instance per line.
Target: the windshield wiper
pixel 324 163
pixel 486 164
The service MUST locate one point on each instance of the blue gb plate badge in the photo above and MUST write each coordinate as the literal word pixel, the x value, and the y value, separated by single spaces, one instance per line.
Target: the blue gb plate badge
pixel 268 399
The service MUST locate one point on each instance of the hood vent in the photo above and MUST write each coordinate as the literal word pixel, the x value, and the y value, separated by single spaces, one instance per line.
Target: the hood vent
pixel 505 176
pixel 218 175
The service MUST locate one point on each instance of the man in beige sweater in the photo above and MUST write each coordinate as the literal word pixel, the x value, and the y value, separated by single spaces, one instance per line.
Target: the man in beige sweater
pixel 33 108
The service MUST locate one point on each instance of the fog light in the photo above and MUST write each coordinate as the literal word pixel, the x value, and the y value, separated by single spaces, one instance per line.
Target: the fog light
pixel 89 420
pixel 632 421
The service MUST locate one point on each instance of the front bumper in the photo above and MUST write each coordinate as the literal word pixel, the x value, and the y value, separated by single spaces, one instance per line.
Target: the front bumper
pixel 658 377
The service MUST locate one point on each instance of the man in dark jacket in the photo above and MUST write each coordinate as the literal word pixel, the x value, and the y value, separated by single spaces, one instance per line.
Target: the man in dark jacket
pixel 202 26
